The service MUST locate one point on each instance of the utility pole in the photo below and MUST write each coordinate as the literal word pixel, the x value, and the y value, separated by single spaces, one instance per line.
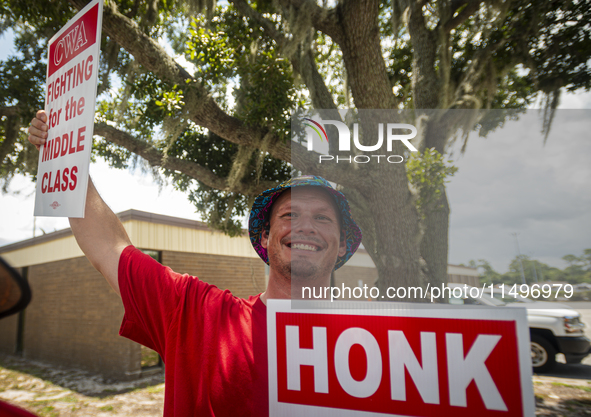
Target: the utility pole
pixel 519 257
pixel 533 265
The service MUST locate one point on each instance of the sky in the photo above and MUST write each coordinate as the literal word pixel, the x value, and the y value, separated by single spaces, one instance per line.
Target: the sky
pixel 511 182
pixel 508 183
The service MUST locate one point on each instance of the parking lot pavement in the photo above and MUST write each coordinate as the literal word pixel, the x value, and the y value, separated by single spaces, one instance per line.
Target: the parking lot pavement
pixel 572 371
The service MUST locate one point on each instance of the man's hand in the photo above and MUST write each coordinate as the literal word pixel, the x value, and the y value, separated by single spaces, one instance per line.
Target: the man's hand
pixel 38 129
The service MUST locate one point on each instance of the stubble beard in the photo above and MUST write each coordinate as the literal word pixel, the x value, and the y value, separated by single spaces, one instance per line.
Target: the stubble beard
pixel 303 270
pixel 299 271
pixel 296 270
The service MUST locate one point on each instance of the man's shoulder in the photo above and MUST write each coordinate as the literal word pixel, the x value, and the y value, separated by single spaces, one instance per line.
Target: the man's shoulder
pixel 133 255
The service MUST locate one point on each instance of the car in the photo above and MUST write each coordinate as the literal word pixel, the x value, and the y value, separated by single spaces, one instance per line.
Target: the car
pixel 554 328
pixel 514 299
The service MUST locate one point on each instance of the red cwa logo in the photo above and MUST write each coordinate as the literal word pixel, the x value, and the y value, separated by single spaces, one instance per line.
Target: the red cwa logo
pixel 72 41
pixel 70 44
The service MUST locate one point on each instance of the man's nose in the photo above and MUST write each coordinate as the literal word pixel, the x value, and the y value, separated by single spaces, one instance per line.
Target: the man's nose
pixel 304 224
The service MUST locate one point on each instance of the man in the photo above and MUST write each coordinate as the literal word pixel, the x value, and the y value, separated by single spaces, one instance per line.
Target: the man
pixel 213 344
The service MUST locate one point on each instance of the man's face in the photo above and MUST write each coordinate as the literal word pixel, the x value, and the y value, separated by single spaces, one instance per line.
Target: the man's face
pixel 304 238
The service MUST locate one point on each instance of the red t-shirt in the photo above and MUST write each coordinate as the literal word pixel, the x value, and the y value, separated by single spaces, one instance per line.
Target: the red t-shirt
pixel 9 410
pixel 214 345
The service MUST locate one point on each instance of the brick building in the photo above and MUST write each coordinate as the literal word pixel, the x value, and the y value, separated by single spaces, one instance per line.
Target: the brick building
pixel 74 317
pixel 463 275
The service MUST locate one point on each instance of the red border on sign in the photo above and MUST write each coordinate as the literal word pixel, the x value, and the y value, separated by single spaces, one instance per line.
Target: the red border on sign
pixel 502 364
pixel 89 19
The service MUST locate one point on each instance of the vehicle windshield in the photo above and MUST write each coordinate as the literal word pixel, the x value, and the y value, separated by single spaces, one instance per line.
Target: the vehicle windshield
pixel 508 299
pixel 468 297
pixel 493 300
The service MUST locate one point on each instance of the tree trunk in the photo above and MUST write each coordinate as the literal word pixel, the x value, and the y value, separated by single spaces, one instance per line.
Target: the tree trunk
pixel 397 257
pixel 435 241
pixel 383 206
pixel 387 215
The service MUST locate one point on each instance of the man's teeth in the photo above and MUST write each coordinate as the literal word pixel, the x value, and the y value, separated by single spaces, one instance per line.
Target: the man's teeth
pixel 303 247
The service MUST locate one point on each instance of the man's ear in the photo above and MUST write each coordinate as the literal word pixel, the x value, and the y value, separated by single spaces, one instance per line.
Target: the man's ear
pixel 265 236
pixel 342 245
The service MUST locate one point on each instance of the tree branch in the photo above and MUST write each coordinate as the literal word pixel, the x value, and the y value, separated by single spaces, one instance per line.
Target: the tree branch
pixel 456 4
pixel 471 79
pixel 202 109
pixel 302 61
pixel 325 20
pixel 11 129
pixel 461 17
pixel 425 80
pixel 129 36
pixel 157 159
pixel 9 111
pixel 243 7
pixel 307 68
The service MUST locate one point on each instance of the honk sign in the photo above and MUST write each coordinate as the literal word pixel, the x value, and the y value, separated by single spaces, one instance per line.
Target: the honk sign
pixel 405 361
pixel 70 98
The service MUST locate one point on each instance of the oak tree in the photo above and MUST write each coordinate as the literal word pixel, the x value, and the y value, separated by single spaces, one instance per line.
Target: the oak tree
pixel 206 92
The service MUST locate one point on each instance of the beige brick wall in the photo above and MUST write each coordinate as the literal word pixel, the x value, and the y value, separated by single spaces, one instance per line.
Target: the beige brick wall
pixel 74 318
pixel 350 276
pixel 242 276
pixel 463 279
pixel 8 329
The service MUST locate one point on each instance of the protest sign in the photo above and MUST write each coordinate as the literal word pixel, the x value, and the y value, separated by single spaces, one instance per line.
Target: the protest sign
pixel 72 68
pixel 407 360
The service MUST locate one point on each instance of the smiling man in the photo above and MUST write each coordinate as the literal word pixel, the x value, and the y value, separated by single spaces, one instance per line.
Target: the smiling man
pixel 304 230
pixel 214 345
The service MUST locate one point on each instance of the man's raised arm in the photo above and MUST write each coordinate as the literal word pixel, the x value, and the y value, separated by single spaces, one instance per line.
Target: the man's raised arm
pixel 100 234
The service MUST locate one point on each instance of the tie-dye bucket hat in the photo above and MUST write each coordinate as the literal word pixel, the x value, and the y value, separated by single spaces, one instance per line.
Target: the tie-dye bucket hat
pixel 259 215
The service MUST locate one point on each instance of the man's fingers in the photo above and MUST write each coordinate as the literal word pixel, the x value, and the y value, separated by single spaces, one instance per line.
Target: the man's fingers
pixel 40 125
pixel 37 136
pixel 38 129
pixel 41 115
